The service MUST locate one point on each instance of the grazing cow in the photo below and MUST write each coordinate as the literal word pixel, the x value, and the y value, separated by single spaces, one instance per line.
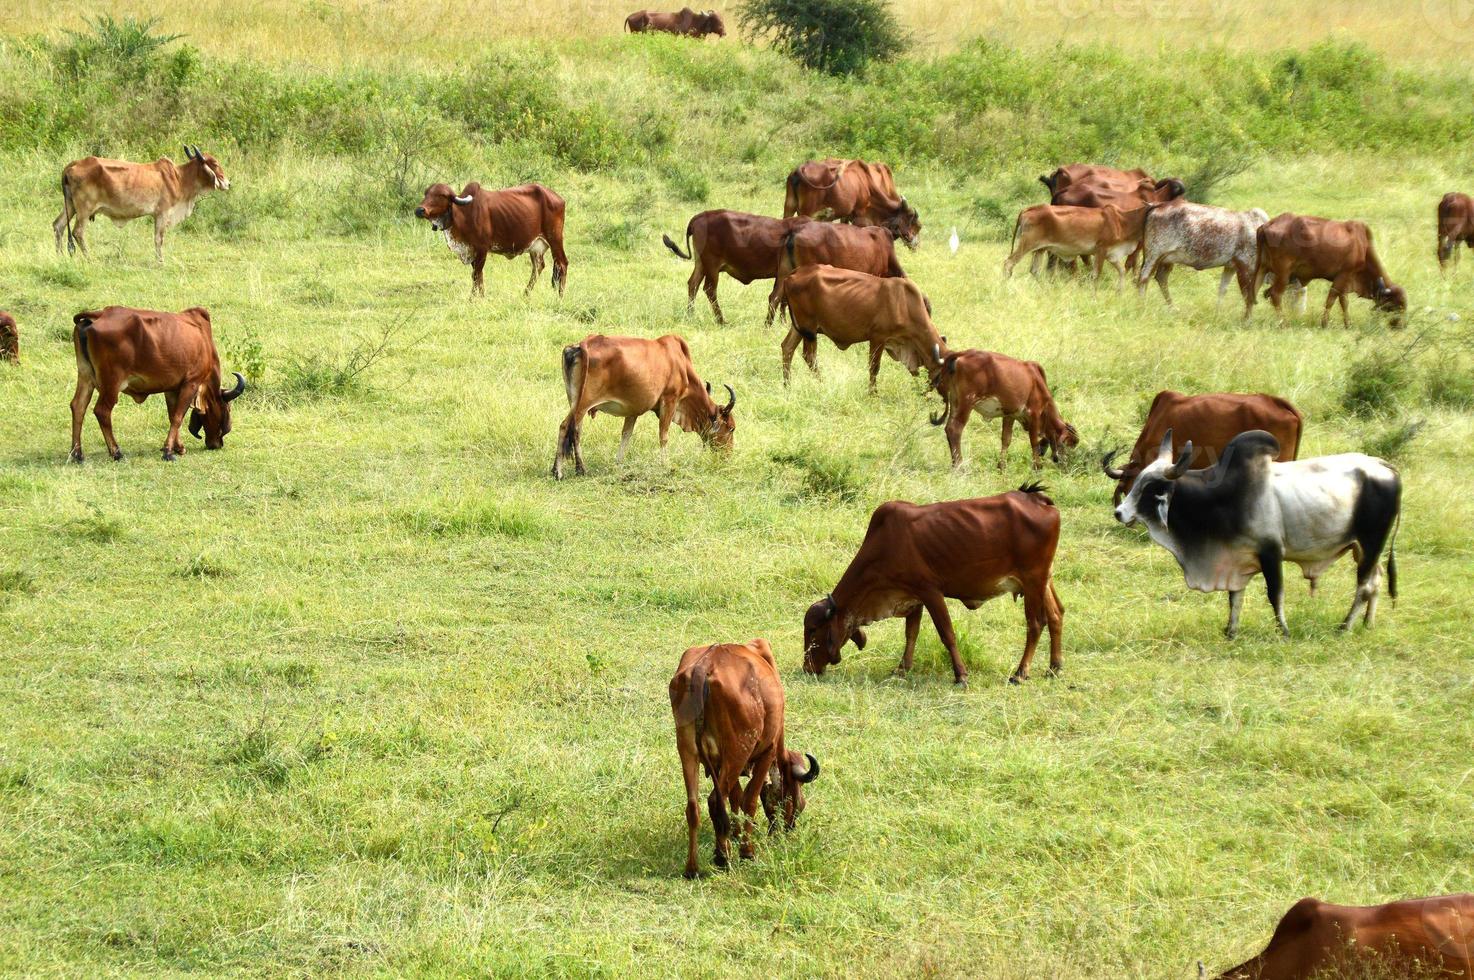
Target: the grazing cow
pixel 1455 226
pixel 1088 194
pixel 1000 387
pixel 1209 422
pixel 1105 234
pixel 916 557
pixel 1090 173
pixel 9 338
pixel 727 700
pixel 869 250
pixel 1200 236
pixel 1420 937
pixel 851 308
pixel 744 246
pixel 477 221
pixel 629 376
pixel 1249 514
pixel 853 191
pixel 123 191
pixel 1296 247
pixel 684 22
pixel 143 352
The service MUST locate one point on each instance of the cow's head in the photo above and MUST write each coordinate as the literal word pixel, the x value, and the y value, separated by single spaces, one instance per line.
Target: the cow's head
pixel 1168 189
pixel 1391 299
pixel 711 23
pixel 717 433
pixel 9 338
pixel 210 167
pixel 1152 492
pixel 826 630
pixel 211 411
pixel 1123 475
pixel 1059 437
pixel 784 787
pixel 904 223
pixel 439 204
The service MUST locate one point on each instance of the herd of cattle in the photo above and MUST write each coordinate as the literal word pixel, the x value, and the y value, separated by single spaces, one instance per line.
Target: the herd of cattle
pixel 1214 478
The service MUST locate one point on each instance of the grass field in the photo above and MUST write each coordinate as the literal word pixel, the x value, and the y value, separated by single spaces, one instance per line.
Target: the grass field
pixel 368 692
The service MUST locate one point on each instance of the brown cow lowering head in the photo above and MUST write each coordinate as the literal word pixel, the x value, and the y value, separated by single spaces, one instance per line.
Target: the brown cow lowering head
pixel 437 205
pixel 710 22
pixel 905 224
pixel 1390 298
pixel 209 167
pixel 786 780
pixel 825 633
pixel 211 412
pixel 9 338
pixel 718 430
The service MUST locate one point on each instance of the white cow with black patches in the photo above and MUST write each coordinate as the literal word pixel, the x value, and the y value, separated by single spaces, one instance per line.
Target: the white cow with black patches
pixel 1248 514
pixel 1201 237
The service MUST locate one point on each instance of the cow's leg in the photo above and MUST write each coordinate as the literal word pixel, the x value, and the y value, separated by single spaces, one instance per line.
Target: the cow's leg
pixel 790 344
pixel 773 301
pixel 1034 260
pixel 79 229
pixel 667 412
pixel 159 228
pixel 1368 584
pixel 177 402
pixel 1033 427
pixel 1235 606
pixel 811 354
pixel 570 441
pixel 624 437
pixel 936 606
pixel 876 349
pixel 60 227
pixel 107 397
pixel 1345 313
pixel 1271 564
pixel 560 265
pixel 711 296
pixel 537 261
pixel 693 284
pixel 1331 297
pixel 1035 616
pixel 80 401
pixel 955 425
pixel 1223 280
pixel 913 627
pixel 751 796
pixel 691 774
pixel 721 823
pixel 1164 270
pixel 478 268
pixel 1007 438
pixel 1245 274
pixel 1054 613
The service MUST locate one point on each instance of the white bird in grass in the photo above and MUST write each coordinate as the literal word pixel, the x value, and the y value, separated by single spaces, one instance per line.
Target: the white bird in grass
pixel 954 241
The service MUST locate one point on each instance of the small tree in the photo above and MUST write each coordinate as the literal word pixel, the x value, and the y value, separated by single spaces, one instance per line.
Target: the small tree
pixel 835 36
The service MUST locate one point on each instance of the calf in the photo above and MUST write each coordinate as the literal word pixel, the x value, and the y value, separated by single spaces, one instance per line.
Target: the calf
pixel 1455 227
pixel 744 246
pixel 890 315
pixel 144 352
pixel 1202 237
pixel 476 222
pixel 629 376
pixel 9 338
pixel 1105 234
pixel 870 250
pixel 916 557
pixel 1249 514
pixel 1294 247
pixel 1000 387
pixel 727 700
pixel 854 191
pixel 1209 422
pixel 1422 937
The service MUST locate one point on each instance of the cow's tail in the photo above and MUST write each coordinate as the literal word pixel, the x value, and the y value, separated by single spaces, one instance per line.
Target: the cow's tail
pixel 790 197
pixel 790 250
pixel 68 211
pixel 1018 224
pixel 1392 558
pixel 80 323
pixel 676 248
pixel 1261 263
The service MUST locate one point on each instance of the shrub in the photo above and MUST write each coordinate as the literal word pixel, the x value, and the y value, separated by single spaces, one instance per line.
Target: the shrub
pixel 839 37
pixel 1391 442
pixel 127 47
pixel 1451 384
pixel 1375 384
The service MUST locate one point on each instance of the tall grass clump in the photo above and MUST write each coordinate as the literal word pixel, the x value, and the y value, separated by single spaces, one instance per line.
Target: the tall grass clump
pixel 839 37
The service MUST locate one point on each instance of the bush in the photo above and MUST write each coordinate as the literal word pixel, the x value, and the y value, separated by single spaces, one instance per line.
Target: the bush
pixel 1375 384
pixel 1451 384
pixel 839 37
pixel 127 47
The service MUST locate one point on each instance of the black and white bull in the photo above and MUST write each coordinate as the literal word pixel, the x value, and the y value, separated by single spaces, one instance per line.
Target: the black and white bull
pixel 1200 236
pixel 1248 514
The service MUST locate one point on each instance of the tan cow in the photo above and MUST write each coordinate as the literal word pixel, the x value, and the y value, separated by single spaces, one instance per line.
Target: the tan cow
pixel 1001 387
pixel 629 376
pixel 123 191
pixel 848 307
pixel 1104 234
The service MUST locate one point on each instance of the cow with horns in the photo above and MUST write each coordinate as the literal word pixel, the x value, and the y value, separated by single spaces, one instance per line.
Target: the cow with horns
pixel 1249 514
pixel 477 222
pixel 144 352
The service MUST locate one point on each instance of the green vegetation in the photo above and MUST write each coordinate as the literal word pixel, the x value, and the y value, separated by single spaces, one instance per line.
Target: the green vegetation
pixel 840 37
pixel 367 692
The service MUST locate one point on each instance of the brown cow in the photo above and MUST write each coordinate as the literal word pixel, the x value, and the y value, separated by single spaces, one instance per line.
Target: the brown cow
pixel 853 191
pixel 852 308
pixel 1124 196
pixel 1000 387
pixel 9 338
pixel 123 191
pixel 871 250
pixel 1420 937
pixel 1302 248
pixel 744 246
pixel 727 700
pixel 521 219
pixel 629 376
pixel 684 22
pixel 1209 422
pixel 916 557
pixel 143 352
pixel 1106 234
pixel 1088 172
pixel 1455 226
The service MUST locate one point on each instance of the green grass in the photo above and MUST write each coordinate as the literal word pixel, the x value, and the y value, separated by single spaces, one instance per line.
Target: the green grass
pixel 368 692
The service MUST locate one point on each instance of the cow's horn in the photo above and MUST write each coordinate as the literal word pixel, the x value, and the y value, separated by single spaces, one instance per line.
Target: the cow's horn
pixel 234 393
pixel 936 353
pixel 187 155
pixel 1381 286
pixel 196 150
pixel 1183 458
pixel 1165 447
pixel 463 200
pixel 731 398
pixel 1110 471
pixel 811 774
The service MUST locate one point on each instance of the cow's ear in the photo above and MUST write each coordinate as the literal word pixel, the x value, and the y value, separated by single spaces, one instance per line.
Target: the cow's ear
pixel 858 638
pixel 200 405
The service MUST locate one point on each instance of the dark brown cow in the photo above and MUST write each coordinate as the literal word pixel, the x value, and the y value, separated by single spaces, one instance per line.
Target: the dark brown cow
pixel 629 376
pixel 1421 937
pixel 684 22
pixel 871 250
pixel 1455 226
pixel 727 700
pixel 916 557
pixel 1089 172
pixel 143 352
pixel 1106 235
pixel 848 307
pixel 123 191
pixel 477 221
pixel 1303 248
pixel 854 191
pixel 1000 387
pixel 9 338
pixel 744 246
pixel 1209 422
pixel 1125 197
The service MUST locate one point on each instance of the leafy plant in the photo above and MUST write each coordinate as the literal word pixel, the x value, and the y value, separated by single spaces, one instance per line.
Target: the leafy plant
pixel 839 37
pixel 127 46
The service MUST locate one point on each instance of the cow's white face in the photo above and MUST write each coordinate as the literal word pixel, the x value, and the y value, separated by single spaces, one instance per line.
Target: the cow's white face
pixel 1151 494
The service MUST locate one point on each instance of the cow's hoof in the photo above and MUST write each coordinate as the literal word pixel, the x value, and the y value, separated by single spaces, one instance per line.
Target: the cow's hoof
pixel 691 874
pixel 117 456
pixel 1016 679
pixel 720 860
pixel 960 683
pixel 168 456
pixel 1229 634
pixel 76 456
